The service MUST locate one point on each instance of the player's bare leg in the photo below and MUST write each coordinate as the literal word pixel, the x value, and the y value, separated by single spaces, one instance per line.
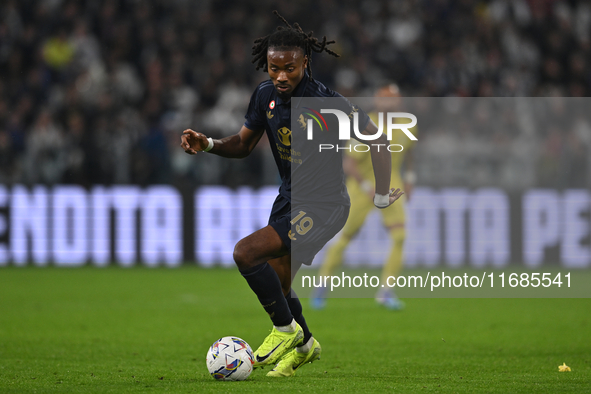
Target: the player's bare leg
pixel 259 247
pixel 251 255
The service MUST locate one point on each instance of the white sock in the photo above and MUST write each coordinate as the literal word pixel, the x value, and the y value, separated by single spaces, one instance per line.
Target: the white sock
pixel 291 327
pixel 305 348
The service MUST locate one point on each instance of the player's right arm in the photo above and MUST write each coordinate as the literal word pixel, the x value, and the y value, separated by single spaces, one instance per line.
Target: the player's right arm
pixel 238 145
pixel 235 146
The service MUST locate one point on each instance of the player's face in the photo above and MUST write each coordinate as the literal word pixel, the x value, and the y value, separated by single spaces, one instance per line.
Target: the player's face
pixel 286 69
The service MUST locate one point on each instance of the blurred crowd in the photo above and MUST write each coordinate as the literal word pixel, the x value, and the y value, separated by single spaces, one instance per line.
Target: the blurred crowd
pixel 98 91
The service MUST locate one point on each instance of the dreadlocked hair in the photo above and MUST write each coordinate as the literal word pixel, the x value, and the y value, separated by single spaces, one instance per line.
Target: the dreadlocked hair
pixel 289 36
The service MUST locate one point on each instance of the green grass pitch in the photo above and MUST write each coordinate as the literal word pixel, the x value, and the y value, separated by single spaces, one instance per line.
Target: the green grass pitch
pixel 144 330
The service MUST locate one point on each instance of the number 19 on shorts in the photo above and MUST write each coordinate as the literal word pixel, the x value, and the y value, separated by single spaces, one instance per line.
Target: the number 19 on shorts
pixel 302 223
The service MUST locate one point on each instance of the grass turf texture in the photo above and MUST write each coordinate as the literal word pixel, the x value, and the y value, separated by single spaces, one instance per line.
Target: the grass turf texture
pixel 147 330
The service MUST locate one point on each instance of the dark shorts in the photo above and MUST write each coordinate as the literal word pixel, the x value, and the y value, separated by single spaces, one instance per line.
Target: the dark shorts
pixel 307 228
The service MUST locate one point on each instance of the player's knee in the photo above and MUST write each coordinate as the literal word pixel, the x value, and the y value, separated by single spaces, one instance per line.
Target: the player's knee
pixel 241 256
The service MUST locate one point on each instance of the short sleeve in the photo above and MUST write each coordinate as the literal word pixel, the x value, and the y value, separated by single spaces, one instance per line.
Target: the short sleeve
pixel 254 117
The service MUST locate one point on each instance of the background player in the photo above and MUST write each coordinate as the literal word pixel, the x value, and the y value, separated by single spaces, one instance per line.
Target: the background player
pixel 264 258
pixel 359 173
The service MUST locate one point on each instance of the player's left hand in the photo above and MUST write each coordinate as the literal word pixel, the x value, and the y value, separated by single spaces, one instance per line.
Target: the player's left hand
pixel 394 195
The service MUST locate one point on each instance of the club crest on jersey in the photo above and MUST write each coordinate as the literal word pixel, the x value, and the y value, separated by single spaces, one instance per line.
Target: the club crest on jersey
pixel 269 115
pixel 272 104
pixel 302 121
pixel 284 135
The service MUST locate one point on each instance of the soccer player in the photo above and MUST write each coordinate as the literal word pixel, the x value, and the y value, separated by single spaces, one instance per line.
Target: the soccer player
pixel 265 258
pixel 359 184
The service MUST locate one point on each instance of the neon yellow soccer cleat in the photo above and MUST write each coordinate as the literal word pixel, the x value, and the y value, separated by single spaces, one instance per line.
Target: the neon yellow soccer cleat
pixel 290 363
pixel 276 345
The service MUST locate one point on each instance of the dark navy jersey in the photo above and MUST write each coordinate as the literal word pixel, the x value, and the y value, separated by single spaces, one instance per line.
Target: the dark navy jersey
pixel 317 176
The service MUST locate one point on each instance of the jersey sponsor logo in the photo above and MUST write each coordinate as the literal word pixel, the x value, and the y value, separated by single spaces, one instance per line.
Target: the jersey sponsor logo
pixel 272 104
pixel 284 135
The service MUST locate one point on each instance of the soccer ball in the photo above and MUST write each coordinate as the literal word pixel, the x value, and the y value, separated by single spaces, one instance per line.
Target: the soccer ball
pixel 230 358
